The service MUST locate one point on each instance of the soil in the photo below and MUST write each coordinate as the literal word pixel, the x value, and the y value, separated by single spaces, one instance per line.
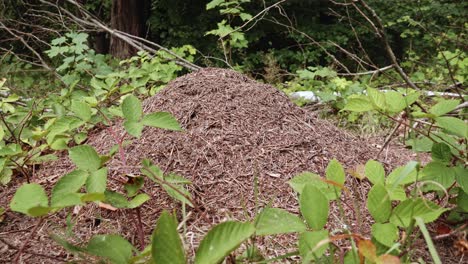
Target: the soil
pixel 238 134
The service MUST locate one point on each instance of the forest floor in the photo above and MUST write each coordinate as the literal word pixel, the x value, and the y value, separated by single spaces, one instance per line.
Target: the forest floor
pixel 236 132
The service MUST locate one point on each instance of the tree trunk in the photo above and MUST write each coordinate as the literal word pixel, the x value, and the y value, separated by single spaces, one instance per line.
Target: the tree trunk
pixel 128 16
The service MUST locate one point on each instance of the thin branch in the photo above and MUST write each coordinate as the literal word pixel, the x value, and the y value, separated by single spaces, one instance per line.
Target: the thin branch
pixel 380 31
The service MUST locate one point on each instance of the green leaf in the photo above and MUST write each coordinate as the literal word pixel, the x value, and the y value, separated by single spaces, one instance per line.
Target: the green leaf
pixel 336 174
pixel 81 110
pixel 423 144
pixel 68 184
pixel 375 172
pixel 93 197
pixel 378 98
pixel 116 199
pixel 404 213
pixel 133 128
pixel 386 234
pixel 462 178
pixel 439 172
pixel 5 176
pixel 162 120
pixel 214 3
pixel 138 200
pixel 131 108
pixel 222 240
pixel 134 185
pixel 396 193
pixel 272 221
pixel 441 152
pixel 80 137
pixel 66 200
pixel 453 125
pixel 300 180
pixel 403 175
pixel 112 247
pixel 85 157
pixel 358 104
pixel 443 107
pixel 308 245
pixel 314 206
pixel 38 211
pixel 167 246
pixel 395 102
pixel 29 196
pixel 177 194
pixel 379 204
pixel 97 181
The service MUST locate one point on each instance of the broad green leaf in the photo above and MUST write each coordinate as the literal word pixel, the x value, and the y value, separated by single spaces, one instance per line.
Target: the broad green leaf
pixel 423 144
pixel 395 102
pixel 403 214
pixel 167 246
pixel 222 240
pixel 441 152
pixel 93 197
pixel 5 176
pixel 138 200
pixel 161 120
pixel 396 193
pixel 403 175
pixel 453 125
pixel 116 199
pixel 379 204
pixel 443 107
pixel 335 173
pixel 80 137
pixel 462 178
pixel 386 234
pixel 378 98
pixel 314 206
pixel 81 110
pixel 308 244
pixel 2 133
pixel 358 104
pixel 38 211
pixel 68 184
pixel 29 196
pixel 272 221
pixel 133 128
pixel 113 247
pixel 85 157
pixel 214 3
pixel 66 200
pixel 97 181
pixel 131 108
pixel 300 180
pixel 439 172
pixel 375 172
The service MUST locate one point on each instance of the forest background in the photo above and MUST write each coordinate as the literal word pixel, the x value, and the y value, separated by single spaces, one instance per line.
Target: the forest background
pixel 372 66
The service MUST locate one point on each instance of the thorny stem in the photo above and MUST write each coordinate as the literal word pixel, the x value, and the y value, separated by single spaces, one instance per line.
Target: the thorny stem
pixel 123 159
pixel 16 260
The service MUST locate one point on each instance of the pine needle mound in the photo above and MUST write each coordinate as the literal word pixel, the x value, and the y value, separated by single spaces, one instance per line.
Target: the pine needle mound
pixel 241 142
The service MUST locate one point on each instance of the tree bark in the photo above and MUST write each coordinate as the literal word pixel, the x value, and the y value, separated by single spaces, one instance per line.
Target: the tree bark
pixel 128 16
